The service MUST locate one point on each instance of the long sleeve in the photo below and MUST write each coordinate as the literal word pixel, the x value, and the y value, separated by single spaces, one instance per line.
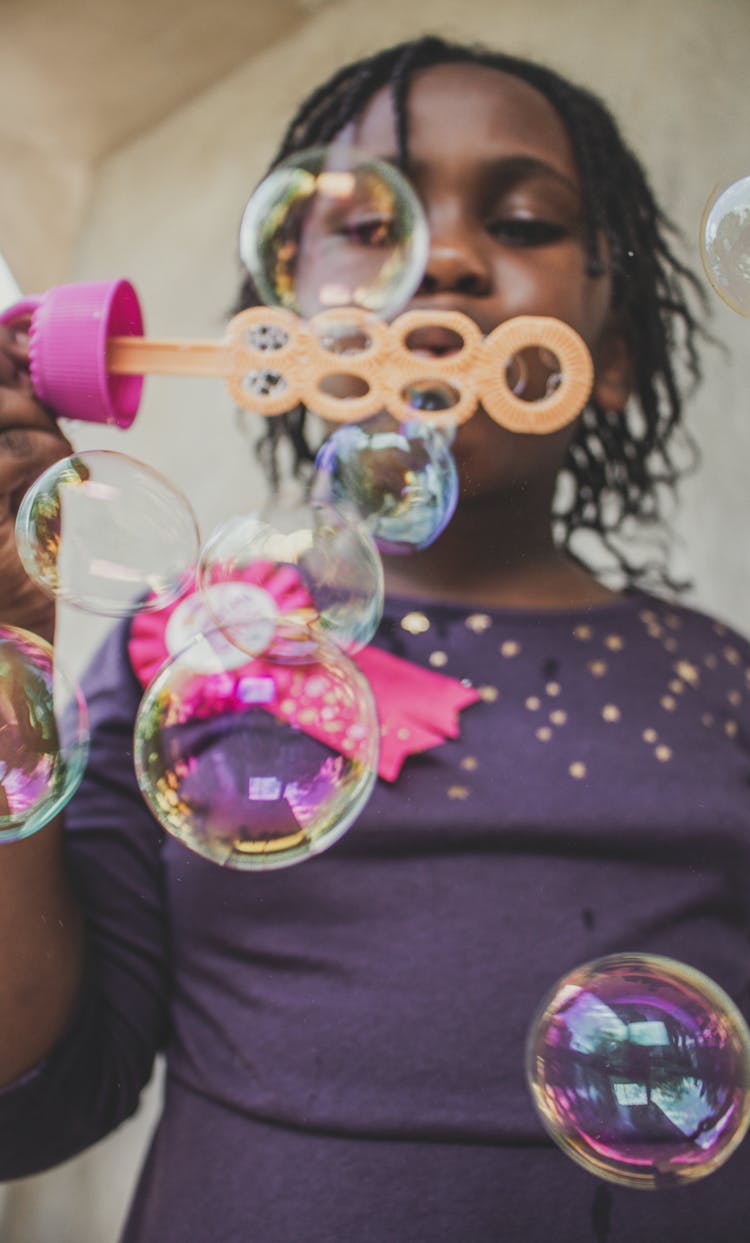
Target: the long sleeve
pixel 92 1080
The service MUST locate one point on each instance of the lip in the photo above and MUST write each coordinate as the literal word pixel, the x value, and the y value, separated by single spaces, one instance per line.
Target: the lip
pixel 485 323
pixel 433 342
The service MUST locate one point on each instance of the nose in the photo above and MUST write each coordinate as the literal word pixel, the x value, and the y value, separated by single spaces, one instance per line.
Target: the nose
pixel 456 262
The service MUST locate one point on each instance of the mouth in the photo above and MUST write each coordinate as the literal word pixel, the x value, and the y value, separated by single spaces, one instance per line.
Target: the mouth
pixel 434 342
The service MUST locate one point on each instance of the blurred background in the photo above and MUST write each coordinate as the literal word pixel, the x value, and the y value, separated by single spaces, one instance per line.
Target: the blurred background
pixel 131 135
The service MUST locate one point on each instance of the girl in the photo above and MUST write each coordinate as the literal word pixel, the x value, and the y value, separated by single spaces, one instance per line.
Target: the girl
pixel 345 1040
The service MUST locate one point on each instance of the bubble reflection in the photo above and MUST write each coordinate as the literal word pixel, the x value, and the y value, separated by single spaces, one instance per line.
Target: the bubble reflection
pixel 639 1067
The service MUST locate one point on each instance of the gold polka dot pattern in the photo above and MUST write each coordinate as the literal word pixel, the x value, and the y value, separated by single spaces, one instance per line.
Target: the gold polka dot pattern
pixel 415 623
pixel 478 622
pixel 458 792
pixel 689 672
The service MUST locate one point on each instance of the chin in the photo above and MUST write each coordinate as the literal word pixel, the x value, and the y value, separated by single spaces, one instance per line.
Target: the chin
pixel 477 487
pixel 473 490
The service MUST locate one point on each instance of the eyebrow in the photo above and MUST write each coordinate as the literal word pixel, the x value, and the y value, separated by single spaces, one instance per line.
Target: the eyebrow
pixel 506 171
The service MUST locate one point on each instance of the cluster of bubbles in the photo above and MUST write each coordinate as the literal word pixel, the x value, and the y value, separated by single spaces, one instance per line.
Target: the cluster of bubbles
pixel 256 741
pixel 110 535
pixel 332 228
pixel 259 720
pixel 329 229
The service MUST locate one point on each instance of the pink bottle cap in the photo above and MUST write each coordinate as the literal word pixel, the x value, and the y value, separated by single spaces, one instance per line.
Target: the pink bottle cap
pixel 70 326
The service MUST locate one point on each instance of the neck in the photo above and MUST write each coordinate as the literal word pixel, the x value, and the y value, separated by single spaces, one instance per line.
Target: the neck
pixel 496 552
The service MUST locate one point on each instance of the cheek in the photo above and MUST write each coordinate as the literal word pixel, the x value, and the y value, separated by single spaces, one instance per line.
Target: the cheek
pixel 553 281
pixel 595 311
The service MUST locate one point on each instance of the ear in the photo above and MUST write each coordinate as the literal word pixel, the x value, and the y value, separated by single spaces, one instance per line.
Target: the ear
pixel 613 368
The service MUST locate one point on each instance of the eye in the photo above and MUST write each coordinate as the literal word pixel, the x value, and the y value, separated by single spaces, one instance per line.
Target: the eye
pixel 367 231
pixel 527 231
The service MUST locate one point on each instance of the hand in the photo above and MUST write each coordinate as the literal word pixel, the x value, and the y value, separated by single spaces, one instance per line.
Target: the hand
pixel 30 441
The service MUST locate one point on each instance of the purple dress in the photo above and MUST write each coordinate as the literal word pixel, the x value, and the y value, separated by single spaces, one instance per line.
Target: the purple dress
pixel 345 1039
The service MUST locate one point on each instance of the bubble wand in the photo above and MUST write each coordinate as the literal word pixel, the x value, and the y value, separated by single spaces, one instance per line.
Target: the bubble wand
pixel 88 358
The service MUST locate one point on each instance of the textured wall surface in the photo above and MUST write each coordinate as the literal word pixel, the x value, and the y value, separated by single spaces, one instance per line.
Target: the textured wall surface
pixel 164 210
pixel 78 80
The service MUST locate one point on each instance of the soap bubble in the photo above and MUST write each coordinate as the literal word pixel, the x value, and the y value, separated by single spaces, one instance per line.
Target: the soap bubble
pixel 332 227
pixel 725 243
pixel 401 480
pixel 432 396
pixel 260 765
pixel 43 734
pixel 102 531
pixel 639 1067
pixel 533 373
pixel 248 608
pixel 314 559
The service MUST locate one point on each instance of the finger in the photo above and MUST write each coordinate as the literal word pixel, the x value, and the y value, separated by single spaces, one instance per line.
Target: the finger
pixel 8 367
pixel 24 454
pixel 19 443
pixel 14 342
pixel 18 409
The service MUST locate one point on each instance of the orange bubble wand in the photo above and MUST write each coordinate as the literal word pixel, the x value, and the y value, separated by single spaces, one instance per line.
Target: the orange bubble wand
pixel 88 358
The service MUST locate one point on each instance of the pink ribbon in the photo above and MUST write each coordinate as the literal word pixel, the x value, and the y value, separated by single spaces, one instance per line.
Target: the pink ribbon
pixel 417 708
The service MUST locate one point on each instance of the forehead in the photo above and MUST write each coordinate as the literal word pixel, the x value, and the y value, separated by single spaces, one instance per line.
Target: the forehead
pixel 468 112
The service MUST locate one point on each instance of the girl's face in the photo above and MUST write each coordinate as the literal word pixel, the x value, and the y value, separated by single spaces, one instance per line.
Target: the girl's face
pixel 493 166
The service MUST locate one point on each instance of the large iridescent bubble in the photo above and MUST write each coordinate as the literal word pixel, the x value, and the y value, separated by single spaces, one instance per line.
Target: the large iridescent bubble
pixel 725 243
pixel 43 734
pixel 400 479
pixel 332 227
pixel 639 1067
pixel 313 558
pixel 107 533
pixel 260 764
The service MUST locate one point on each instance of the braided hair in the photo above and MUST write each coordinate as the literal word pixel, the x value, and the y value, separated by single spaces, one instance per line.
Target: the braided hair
pixel 620 470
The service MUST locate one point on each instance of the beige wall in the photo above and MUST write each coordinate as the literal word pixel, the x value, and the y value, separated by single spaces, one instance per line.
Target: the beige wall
pixel 80 79
pixel 164 211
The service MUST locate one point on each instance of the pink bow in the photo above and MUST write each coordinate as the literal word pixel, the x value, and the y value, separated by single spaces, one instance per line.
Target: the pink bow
pixel 417 708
